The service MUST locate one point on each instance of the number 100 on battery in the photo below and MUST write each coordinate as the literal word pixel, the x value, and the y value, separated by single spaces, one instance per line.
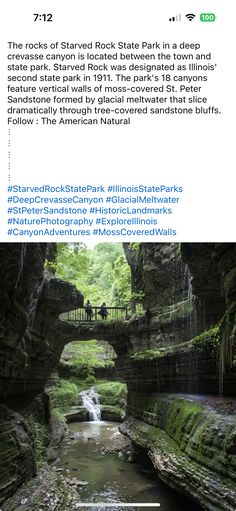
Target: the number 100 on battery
pixel 207 16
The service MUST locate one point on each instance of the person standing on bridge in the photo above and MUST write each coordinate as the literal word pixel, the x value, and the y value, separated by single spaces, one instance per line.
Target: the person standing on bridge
pixel 103 311
pixel 88 310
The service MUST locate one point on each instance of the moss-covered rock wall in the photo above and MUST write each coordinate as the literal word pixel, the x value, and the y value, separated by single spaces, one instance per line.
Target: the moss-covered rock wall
pixel 191 443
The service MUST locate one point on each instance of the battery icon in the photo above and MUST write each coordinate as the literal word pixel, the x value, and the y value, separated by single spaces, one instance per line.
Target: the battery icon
pixel 207 16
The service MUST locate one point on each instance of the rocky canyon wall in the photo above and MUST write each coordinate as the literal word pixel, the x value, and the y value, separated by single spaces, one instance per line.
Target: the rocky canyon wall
pixel 181 356
pixel 189 341
pixel 30 304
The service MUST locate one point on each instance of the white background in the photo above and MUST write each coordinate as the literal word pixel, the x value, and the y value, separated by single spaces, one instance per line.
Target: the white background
pixel 197 152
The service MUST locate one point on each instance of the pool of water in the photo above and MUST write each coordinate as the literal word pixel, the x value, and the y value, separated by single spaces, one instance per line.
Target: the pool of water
pixel 110 477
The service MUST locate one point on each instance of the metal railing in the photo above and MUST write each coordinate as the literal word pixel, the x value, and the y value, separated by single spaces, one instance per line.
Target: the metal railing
pixel 114 313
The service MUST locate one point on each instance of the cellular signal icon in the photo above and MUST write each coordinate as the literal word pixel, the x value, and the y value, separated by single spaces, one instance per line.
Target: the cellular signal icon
pixel 176 18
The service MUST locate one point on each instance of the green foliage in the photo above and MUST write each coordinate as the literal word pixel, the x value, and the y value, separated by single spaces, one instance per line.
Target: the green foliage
pixel 82 385
pixel 121 292
pixel 50 266
pixel 101 274
pixel 112 393
pixel 65 396
pixel 72 262
pixel 138 297
pixel 134 246
pixel 90 380
pixel 84 356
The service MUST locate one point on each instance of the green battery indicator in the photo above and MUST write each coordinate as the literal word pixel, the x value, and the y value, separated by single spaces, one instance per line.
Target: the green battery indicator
pixel 207 16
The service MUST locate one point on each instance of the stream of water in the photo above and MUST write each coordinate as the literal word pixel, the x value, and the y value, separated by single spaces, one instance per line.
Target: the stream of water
pixel 110 478
pixel 91 402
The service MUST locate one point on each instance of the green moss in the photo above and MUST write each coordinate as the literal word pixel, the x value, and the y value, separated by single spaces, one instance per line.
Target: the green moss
pixel 158 437
pixel 182 418
pixel 65 396
pixel 148 354
pixel 189 433
pixel 198 431
pixel 112 393
pixel 208 340
pixel 40 435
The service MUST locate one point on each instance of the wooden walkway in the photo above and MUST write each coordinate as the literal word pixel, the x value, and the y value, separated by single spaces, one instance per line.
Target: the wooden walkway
pixel 79 315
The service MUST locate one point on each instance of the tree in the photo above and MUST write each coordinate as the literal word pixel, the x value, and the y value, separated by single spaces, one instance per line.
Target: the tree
pixel 102 273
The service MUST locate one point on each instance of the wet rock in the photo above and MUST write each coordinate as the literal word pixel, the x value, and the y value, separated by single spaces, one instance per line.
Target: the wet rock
pixel 112 413
pixel 75 414
pixel 115 444
pixel 76 482
pixel 58 431
pixel 17 461
pixel 188 444
pixel 47 492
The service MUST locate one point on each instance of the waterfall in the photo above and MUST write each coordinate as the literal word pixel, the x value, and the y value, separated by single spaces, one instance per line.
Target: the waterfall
pixel 187 282
pixel 91 403
pixel 34 299
pixel 190 296
pixel 21 263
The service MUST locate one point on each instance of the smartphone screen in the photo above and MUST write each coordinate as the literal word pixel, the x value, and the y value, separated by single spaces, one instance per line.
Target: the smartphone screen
pixel 118 255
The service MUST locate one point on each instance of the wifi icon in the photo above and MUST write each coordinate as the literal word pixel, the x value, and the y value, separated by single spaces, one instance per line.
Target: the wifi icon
pixel 190 17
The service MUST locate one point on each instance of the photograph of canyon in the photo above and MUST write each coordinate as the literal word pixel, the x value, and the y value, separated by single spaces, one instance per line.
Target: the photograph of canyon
pixel 118 376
